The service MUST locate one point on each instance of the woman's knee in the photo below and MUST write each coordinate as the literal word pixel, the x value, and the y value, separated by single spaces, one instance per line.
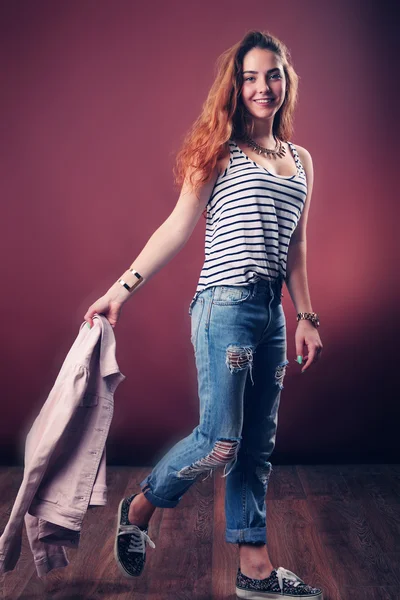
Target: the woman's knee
pixel 222 452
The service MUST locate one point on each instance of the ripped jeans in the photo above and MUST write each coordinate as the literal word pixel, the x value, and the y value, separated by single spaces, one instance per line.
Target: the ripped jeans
pixel 239 339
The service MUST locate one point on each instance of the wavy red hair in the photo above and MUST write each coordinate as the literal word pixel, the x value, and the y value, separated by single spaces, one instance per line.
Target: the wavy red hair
pixel 223 115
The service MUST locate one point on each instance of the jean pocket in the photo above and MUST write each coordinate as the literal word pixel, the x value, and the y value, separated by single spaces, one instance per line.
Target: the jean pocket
pixel 231 294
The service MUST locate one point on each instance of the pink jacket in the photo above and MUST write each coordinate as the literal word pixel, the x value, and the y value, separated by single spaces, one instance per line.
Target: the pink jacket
pixel 65 453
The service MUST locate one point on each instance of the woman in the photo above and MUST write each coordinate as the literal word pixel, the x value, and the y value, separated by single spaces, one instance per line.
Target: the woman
pixel 256 188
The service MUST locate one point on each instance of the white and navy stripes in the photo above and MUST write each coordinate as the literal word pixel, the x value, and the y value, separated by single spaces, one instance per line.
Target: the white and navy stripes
pixel 251 215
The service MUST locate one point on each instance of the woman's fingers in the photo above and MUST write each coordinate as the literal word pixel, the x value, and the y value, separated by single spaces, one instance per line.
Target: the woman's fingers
pixel 103 306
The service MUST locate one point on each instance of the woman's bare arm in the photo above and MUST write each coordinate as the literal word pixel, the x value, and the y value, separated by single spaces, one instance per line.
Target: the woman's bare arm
pixel 168 239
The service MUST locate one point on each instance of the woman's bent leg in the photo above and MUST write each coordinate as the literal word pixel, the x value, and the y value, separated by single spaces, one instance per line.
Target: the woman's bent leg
pixel 218 335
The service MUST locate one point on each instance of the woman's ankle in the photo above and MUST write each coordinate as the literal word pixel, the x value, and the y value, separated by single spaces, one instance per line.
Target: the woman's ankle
pixel 255 561
pixel 256 572
pixel 140 511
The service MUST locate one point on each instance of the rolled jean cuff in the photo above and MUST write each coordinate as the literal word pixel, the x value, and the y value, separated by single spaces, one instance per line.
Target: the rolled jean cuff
pixel 252 534
pixel 156 500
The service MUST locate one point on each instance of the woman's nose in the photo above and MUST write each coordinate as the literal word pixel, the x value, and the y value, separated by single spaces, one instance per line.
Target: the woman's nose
pixel 264 88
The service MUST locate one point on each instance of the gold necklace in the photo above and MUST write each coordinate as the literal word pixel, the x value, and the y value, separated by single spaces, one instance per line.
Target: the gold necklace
pixel 279 150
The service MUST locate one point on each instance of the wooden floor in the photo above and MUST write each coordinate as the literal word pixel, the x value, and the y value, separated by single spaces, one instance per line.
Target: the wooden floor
pixel 337 527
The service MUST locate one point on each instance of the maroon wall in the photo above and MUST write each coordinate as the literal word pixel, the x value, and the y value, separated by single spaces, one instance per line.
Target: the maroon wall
pixel 95 100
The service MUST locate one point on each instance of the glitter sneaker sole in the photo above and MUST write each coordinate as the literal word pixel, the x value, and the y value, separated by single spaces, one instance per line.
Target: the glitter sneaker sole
pixel 258 595
pixel 282 584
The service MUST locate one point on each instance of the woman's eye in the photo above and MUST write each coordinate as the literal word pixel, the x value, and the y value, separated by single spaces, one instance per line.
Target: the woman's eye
pixel 278 75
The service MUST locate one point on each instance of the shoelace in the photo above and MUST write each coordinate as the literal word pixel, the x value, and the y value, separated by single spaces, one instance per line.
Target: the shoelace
pixel 294 580
pixel 138 538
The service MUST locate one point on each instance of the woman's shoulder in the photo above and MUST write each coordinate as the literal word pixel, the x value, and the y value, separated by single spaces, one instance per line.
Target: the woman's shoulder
pixel 306 161
pixel 223 160
pixel 303 153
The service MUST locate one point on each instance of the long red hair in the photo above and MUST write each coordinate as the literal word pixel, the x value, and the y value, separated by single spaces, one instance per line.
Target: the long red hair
pixel 223 115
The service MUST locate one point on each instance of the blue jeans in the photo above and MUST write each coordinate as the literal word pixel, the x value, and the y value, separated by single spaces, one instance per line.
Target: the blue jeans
pixel 239 339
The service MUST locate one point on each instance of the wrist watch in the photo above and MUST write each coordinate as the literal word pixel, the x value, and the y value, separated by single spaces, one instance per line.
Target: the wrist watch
pixel 313 317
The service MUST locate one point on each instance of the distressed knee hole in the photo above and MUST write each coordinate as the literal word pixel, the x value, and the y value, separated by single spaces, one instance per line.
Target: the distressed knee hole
pixel 263 473
pixel 238 358
pixel 223 452
pixel 280 374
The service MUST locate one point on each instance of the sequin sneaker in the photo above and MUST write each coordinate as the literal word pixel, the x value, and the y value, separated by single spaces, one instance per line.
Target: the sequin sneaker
pixel 130 542
pixel 281 584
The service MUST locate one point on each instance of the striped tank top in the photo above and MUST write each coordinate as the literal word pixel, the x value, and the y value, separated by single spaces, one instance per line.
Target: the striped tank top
pixel 251 215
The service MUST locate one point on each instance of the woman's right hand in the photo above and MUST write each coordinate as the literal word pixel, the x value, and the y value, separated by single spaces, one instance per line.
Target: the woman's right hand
pixel 104 306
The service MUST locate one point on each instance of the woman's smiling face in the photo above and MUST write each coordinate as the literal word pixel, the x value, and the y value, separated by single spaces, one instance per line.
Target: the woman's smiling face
pixel 263 78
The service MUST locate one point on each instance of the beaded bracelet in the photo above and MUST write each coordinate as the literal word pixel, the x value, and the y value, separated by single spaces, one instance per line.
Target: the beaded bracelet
pixel 313 317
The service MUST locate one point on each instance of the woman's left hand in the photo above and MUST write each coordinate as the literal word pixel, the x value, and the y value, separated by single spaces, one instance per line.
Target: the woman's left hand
pixel 307 336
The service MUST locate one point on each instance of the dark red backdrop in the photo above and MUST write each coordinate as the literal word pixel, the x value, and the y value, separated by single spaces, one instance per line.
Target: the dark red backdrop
pixel 96 98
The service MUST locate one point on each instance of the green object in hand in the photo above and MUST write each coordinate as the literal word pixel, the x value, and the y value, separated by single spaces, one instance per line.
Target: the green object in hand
pixel 299 359
pixel 88 324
